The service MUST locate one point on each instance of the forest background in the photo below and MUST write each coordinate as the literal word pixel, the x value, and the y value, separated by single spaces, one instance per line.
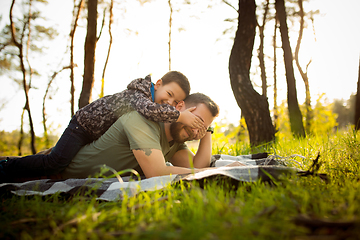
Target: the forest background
pixel 202 35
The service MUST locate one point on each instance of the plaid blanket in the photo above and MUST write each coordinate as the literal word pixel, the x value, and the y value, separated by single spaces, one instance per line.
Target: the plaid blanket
pixel 244 168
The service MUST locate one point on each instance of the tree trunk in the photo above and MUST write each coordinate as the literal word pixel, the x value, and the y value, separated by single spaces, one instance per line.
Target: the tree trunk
pixel 72 65
pixel 31 71
pixel 357 105
pixel 303 73
pixel 46 136
pixel 254 107
pixel 47 141
pixel 276 124
pixel 21 137
pixel 89 59
pixel 261 51
pixel 295 116
pixel 170 28
pixel 109 48
pixel 19 46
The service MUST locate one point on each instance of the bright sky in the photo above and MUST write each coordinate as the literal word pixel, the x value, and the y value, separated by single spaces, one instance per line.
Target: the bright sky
pixel 200 51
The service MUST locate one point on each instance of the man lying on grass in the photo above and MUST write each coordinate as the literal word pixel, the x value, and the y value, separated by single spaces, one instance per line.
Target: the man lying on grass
pixel 134 142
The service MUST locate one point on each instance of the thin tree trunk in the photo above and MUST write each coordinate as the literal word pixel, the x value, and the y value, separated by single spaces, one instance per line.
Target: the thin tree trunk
pixel 261 51
pixel 22 67
pixel 295 116
pixel 30 76
pixel 170 28
pixel 303 74
pixel 21 137
pixel 357 105
pixel 89 59
pixel 276 115
pixel 72 65
pixel 108 53
pixel 102 25
pixel 46 136
pixel 28 45
pixel 47 142
pixel 254 107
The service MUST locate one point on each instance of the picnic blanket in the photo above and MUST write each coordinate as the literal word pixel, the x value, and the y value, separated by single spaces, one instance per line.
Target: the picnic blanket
pixel 244 168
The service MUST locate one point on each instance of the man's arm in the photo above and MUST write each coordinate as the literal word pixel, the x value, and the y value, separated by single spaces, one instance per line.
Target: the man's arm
pixel 152 163
pixel 201 159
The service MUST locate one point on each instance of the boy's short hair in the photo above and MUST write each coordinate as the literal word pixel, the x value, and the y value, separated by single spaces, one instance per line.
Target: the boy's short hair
pixel 196 98
pixel 179 78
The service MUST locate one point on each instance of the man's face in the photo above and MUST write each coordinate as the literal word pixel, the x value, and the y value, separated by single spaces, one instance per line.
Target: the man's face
pixel 182 133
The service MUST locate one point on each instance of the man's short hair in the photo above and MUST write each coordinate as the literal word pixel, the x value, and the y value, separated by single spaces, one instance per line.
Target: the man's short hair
pixel 197 98
pixel 179 78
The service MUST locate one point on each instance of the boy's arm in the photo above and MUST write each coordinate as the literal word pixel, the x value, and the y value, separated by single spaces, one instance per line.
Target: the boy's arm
pixel 201 159
pixel 164 112
pixel 154 111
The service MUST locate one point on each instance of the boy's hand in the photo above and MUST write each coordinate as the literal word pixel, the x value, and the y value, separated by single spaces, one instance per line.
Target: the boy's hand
pixel 189 119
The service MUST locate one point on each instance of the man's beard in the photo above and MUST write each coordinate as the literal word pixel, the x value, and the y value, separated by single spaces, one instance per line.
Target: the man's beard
pixel 175 129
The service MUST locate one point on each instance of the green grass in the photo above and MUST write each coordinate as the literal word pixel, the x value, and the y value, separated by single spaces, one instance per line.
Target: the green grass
pixel 216 211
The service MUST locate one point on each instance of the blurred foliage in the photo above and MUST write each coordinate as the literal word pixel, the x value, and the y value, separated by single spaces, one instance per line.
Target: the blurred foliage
pixel 324 118
pixel 323 122
pixel 345 110
pixel 329 117
pixel 41 32
pixel 9 143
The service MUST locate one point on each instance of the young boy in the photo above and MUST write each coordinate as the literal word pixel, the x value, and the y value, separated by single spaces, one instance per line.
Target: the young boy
pixel 155 102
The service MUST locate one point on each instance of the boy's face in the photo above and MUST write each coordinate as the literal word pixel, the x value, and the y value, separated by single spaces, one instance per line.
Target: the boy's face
pixel 170 93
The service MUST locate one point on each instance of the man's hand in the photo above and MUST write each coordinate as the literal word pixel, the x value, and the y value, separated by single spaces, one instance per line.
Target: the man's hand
pixel 189 119
pixel 201 133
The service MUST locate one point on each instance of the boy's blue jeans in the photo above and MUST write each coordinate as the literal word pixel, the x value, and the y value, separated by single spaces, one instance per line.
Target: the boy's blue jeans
pixel 71 141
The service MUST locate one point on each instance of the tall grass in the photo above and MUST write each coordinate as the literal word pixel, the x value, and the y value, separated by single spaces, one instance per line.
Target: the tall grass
pixel 291 208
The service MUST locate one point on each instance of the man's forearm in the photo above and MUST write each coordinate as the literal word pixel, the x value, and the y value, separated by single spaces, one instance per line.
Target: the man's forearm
pixel 172 170
pixel 178 170
pixel 203 155
pixel 152 163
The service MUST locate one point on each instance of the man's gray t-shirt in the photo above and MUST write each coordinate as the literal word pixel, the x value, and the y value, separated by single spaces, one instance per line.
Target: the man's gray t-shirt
pixel 114 147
